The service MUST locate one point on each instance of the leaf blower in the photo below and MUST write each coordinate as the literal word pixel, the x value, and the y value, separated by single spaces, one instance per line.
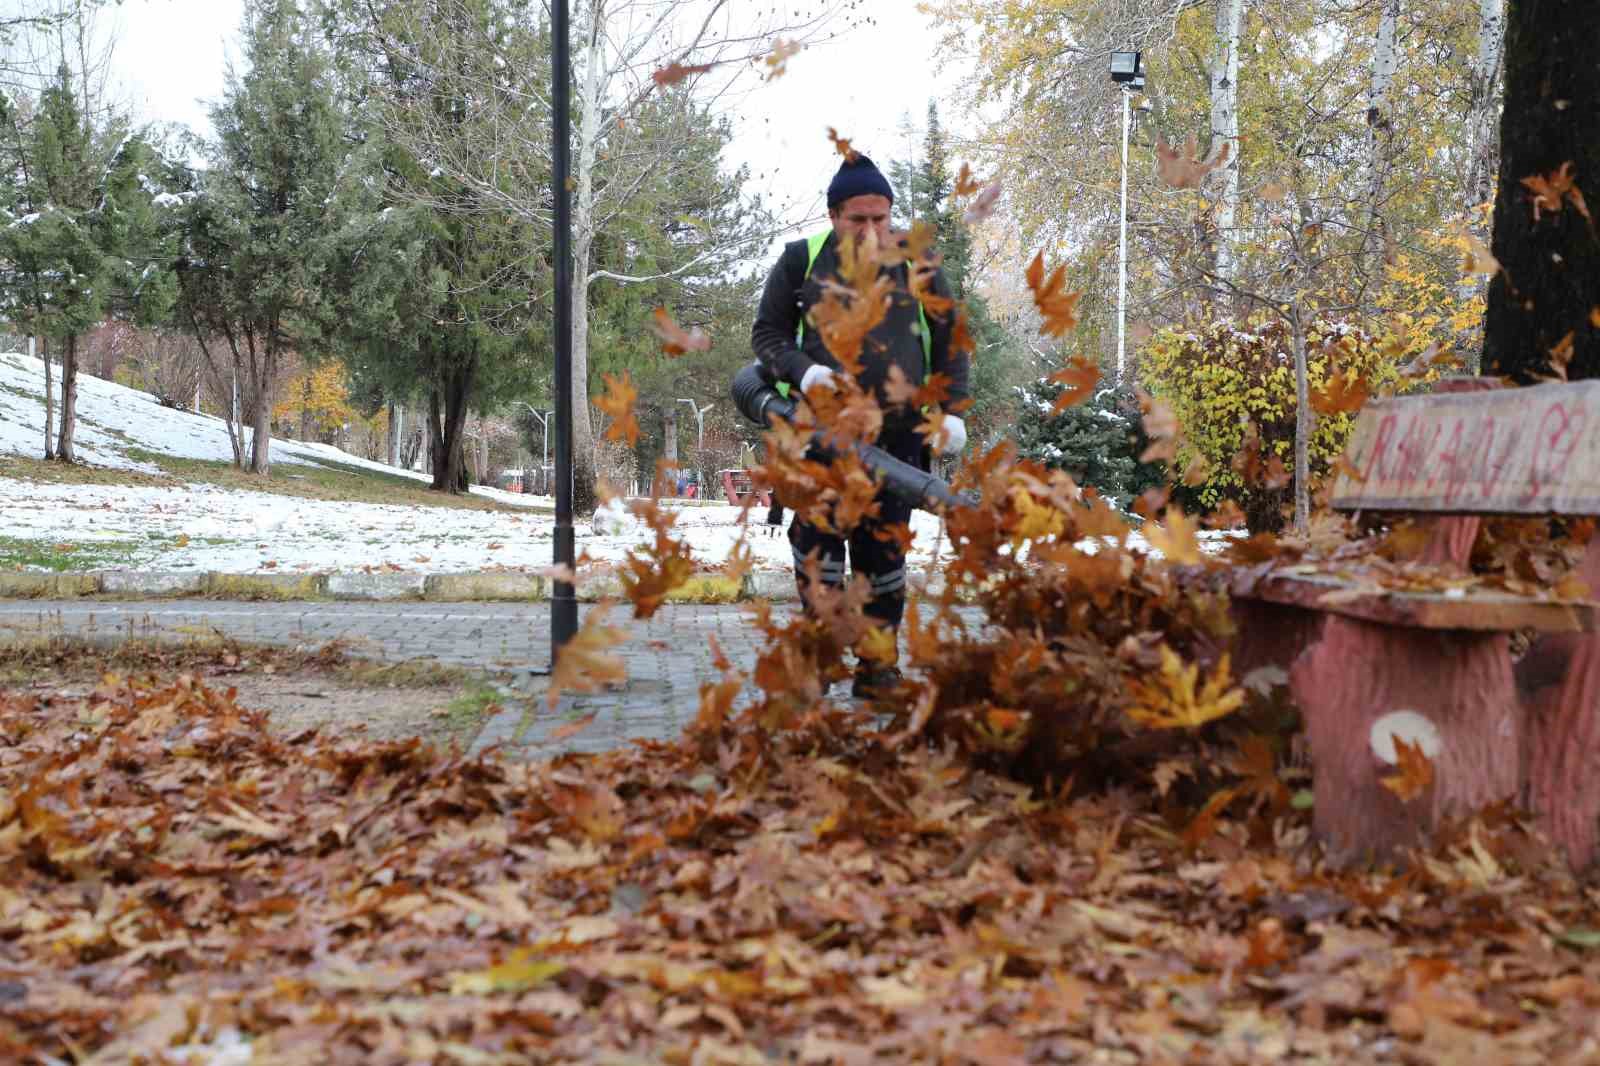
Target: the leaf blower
pixel 758 399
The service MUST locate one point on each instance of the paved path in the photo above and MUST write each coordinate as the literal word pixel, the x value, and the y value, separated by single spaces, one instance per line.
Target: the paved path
pixel 668 656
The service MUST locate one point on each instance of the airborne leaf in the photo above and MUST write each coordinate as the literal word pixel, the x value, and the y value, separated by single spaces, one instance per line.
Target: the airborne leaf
pixel 675 72
pixel 1077 380
pixel 1058 307
pixel 675 340
pixel 617 402
pixel 842 145
pixel 585 663
pixel 1175 698
pixel 1183 169
pixel 1344 394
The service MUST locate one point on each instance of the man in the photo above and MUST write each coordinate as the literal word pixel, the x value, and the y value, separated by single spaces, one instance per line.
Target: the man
pixel 916 341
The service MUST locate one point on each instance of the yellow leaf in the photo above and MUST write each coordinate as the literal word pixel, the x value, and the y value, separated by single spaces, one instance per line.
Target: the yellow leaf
pixel 1172 700
pixel 522 970
pixel 1176 541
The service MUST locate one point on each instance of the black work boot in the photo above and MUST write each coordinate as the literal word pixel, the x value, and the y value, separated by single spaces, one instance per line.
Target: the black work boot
pixel 875 682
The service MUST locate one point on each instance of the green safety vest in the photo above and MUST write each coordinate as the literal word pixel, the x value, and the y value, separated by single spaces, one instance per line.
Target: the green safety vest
pixel 814 245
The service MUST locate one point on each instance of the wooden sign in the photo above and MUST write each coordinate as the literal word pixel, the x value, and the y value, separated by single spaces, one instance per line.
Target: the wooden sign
pixel 1505 451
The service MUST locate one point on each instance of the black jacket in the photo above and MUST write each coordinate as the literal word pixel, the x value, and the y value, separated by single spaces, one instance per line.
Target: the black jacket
pixel 789 294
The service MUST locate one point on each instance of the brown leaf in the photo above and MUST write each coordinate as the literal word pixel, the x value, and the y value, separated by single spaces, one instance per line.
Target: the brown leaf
pixel 777 61
pixel 842 145
pixel 675 72
pixel 1551 191
pixel 984 205
pixel 1344 394
pixel 1058 307
pixel 1414 771
pixel 585 663
pixel 1077 380
pixel 1182 170
pixel 674 339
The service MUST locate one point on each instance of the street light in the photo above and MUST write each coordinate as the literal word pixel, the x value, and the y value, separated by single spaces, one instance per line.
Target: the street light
pixel 700 423
pixel 544 422
pixel 700 437
pixel 1128 75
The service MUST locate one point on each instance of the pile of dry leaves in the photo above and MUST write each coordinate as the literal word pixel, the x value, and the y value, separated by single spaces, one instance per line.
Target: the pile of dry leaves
pixel 177 882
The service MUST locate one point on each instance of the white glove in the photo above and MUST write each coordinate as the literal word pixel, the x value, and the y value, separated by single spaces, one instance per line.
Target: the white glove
pixel 955 435
pixel 817 375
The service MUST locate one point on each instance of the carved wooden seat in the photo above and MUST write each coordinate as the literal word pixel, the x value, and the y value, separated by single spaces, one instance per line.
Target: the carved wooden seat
pixel 1369 664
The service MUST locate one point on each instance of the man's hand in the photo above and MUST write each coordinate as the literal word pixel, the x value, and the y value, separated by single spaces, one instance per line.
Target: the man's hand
pixel 954 433
pixel 820 375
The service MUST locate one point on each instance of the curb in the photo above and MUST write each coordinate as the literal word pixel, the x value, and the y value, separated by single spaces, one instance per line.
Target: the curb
pixel 479 587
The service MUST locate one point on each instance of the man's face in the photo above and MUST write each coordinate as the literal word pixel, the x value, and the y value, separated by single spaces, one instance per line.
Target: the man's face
pixel 855 216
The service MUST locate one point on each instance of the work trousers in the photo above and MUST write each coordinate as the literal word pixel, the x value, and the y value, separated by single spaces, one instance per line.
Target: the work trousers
pixel 881 562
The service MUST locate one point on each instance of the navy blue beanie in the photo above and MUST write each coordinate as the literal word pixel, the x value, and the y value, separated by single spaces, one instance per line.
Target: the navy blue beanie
pixel 857 177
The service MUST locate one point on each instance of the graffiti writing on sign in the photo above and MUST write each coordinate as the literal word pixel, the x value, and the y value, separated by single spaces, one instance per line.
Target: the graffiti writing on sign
pixel 1512 450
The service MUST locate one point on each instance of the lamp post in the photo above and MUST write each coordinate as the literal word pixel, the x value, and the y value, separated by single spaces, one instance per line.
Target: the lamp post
pixel 700 432
pixel 544 423
pixel 563 599
pixel 1128 76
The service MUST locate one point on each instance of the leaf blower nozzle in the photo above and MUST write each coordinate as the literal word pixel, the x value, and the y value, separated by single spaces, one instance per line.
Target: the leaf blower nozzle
pixel 759 400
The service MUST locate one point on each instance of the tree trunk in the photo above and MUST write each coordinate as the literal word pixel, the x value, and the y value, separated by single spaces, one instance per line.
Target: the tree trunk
pixel 1225 127
pixel 305 407
pixel 69 400
pixel 1540 302
pixel 583 223
pixel 483 449
pixel 49 398
pixel 1380 142
pixel 1302 428
pixel 396 423
pixel 1483 144
pixel 261 442
pixel 448 419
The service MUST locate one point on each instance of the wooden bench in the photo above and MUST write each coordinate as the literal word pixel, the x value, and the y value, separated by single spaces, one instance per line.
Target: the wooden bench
pixel 737 487
pixel 1435 667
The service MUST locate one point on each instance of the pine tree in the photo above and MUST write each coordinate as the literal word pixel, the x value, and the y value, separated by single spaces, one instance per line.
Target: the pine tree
pixel 262 228
pixel 80 243
pixel 1098 441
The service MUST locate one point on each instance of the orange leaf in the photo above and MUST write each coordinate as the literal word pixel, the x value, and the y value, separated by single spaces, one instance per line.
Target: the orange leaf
pixel 1058 307
pixel 1183 170
pixel 618 403
pixel 842 145
pixel 1415 771
pixel 966 182
pixel 1344 394
pixel 984 205
pixel 1561 355
pixel 675 72
pixel 674 339
pixel 1078 379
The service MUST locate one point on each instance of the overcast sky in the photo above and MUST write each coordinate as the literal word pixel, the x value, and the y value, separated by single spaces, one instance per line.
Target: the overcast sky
pixel 171 56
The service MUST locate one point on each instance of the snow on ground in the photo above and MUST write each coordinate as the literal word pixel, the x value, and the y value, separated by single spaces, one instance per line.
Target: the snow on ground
pixel 204 527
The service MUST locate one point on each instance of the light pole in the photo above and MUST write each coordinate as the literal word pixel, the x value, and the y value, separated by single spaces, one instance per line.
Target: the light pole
pixel 563 598
pixel 700 433
pixel 1128 76
pixel 544 423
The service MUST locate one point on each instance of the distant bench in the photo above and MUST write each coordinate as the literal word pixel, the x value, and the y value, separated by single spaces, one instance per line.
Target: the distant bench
pixel 737 486
pixel 1368 664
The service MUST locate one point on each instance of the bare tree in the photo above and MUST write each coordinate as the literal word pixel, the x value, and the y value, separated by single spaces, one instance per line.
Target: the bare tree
pixel 619 45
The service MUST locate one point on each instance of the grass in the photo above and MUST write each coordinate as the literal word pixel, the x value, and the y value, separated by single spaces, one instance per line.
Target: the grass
pixel 60 556
pixel 469 709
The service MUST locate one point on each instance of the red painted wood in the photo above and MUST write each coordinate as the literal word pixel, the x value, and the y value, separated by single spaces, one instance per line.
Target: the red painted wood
pixel 1559 680
pixel 1270 634
pixel 1451 542
pixel 1360 671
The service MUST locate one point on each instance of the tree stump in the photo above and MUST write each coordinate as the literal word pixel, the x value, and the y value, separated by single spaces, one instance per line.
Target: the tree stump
pixel 1559 683
pixel 1270 634
pixel 1449 691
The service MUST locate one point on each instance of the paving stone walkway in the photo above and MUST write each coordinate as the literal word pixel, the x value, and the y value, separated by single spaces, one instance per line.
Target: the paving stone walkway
pixel 668 656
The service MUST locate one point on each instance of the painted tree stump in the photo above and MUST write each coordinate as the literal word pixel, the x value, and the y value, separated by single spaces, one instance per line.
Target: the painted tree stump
pixel 1361 685
pixel 1270 634
pixel 1559 683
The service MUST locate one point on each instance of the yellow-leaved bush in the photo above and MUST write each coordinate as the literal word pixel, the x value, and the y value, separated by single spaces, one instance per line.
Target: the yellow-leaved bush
pixel 1221 377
